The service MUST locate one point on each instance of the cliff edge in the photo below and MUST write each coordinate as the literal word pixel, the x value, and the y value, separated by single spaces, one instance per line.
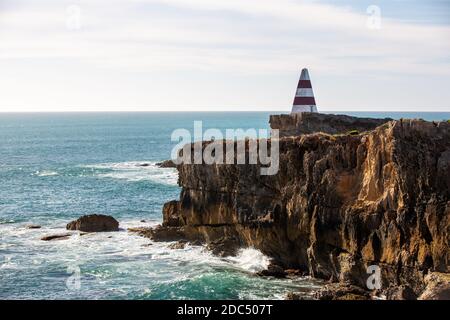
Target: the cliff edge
pixel 338 204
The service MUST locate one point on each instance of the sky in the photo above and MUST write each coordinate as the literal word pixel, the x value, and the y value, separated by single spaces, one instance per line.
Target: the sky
pixel 215 55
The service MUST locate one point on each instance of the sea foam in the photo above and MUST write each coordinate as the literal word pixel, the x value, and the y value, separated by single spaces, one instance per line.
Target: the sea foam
pixel 134 171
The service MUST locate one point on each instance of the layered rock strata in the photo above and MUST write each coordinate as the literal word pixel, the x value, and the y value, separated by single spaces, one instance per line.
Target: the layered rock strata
pixel 338 204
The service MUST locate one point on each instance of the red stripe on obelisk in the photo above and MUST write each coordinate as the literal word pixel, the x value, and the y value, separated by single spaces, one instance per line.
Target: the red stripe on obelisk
pixel 304 84
pixel 299 101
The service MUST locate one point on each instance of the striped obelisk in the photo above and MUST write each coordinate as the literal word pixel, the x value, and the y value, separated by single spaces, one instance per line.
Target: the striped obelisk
pixel 304 97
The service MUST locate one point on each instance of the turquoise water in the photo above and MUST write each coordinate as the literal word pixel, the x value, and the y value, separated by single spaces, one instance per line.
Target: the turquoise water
pixel 57 167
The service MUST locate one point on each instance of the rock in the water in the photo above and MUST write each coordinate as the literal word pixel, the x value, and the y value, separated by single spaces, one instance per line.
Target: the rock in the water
pixel 273 270
pixel 94 223
pixel 33 226
pixel 139 230
pixel 342 291
pixel 143 165
pixel 178 245
pixel 402 292
pixel 147 245
pixel 295 272
pixel 293 296
pixel 224 247
pixel 166 164
pixel 52 237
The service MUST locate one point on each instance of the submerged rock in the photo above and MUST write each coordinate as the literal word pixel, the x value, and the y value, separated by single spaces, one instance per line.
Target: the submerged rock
pixel 94 223
pixel 52 237
pixel 33 226
pixel 143 164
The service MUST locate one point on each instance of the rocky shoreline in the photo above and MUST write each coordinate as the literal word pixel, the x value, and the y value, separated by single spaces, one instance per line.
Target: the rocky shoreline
pixel 349 194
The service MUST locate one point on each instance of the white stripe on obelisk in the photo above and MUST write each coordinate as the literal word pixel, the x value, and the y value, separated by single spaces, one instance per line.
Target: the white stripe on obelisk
pixel 305 92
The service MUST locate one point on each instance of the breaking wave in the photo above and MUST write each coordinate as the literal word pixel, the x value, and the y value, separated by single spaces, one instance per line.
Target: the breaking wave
pixel 251 260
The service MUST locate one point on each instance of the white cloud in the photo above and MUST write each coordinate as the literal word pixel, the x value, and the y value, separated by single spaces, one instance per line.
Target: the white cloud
pixel 251 37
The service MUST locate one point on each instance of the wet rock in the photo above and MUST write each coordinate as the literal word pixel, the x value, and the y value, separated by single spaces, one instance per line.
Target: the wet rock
pixel 147 245
pixel 295 273
pixel 33 226
pixel 196 243
pixel 224 247
pixel 142 231
pixel 340 291
pixel 166 164
pixel 178 245
pixel 143 164
pixel 402 292
pixel 273 270
pixel 53 237
pixel 161 233
pixel 94 223
pixel 293 296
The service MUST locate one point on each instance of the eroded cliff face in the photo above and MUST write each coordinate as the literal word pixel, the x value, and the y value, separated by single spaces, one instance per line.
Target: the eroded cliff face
pixel 338 204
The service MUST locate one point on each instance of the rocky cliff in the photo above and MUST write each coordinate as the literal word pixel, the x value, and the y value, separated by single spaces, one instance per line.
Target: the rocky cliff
pixel 338 204
pixel 309 122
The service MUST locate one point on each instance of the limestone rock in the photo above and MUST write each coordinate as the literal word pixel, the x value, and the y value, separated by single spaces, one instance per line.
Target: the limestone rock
pixel 303 123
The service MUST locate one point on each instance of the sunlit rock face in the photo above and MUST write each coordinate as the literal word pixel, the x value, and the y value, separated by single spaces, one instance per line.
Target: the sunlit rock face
pixel 339 203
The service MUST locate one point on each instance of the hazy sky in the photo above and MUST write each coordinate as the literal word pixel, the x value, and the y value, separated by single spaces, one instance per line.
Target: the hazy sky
pixel 92 55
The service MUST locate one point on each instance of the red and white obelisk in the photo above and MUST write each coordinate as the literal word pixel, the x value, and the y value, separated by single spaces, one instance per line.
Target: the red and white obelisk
pixel 304 97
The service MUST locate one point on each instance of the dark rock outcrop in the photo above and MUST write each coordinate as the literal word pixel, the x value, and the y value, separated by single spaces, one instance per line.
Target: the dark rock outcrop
pixel 94 223
pixel 342 291
pixel 52 237
pixel 166 164
pixel 33 226
pixel 307 122
pixel 338 204
pixel 178 245
pixel 273 270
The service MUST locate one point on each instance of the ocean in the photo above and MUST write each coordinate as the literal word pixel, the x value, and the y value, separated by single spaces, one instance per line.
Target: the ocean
pixel 55 167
